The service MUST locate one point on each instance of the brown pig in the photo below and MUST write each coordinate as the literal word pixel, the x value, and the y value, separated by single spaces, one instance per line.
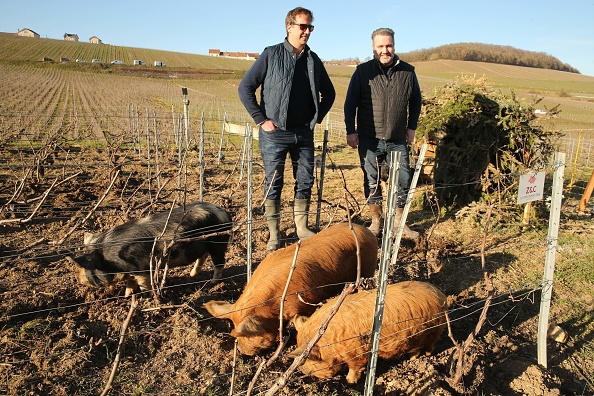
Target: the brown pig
pixel 325 262
pixel 414 318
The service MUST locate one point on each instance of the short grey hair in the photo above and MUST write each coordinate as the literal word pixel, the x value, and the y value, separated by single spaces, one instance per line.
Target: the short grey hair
pixel 382 32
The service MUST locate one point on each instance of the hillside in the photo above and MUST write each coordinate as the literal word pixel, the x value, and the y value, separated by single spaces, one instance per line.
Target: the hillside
pixel 490 53
pixel 15 48
pixel 214 77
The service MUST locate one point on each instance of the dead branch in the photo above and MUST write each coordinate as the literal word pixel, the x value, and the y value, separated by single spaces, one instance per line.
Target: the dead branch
pixel 283 340
pixel 197 238
pixel 116 362
pixel 450 334
pixel 165 271
pixel 268 191
pixel 160 190
pixel 282 306
pixel 347 191
pixel 45 195
pixel 233 368
pixel 224 183
pixel 91 212
pixel 18 190
pixel 432 228
pixel 459 353
pixel 28 219
pixel 154 273
pixel 253 381
pixel 32 245
pixel 160 307
pixel 282 381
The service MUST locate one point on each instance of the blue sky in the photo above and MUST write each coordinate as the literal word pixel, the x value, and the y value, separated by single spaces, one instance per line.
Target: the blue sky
pixel 343 28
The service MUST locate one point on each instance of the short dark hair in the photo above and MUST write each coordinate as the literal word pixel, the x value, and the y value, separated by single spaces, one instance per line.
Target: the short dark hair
pixel 382 32
pixel 297 11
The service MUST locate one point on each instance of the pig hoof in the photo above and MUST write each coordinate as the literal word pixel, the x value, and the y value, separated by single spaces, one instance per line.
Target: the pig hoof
pixel 354 375
pixel 217 276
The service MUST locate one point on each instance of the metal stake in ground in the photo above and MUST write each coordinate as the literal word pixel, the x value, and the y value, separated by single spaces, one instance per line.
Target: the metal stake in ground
pixel 249 200
pixel 220 154
pixel 383 273
pixel 321 183
pixel 201 157
pixel 547 281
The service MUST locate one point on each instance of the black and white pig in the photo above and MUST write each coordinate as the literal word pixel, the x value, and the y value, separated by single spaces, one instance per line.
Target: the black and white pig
pixel 123 253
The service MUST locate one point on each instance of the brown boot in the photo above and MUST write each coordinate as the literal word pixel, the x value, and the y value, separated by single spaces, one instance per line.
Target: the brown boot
pixel 407 232
pixel 376 219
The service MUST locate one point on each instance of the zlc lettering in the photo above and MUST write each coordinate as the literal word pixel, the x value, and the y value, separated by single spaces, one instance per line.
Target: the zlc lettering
pixel 530 189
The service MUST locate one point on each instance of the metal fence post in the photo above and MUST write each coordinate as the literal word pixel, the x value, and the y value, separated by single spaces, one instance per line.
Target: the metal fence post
pixel 249 132
pixel 201 156
pixel 220 154
pixel 549 270
pixel 322 173
pixel 380 298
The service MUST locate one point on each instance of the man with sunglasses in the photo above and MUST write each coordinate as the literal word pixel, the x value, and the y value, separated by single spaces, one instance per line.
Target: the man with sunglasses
pixel 296 93
pixel 385 98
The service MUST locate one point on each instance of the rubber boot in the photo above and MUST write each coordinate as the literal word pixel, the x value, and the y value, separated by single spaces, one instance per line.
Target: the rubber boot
pixel 407 232
pixel 272 211
pixel 376 219
pixel 300 211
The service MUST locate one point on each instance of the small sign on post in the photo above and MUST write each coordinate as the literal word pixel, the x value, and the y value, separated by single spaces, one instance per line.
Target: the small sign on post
pixel 531 187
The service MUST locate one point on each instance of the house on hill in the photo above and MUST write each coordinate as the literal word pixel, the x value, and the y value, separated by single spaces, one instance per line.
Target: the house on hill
pixel 95 40
pixel 233 55
pixel 27 33
pixel 342 63
pixel 70 37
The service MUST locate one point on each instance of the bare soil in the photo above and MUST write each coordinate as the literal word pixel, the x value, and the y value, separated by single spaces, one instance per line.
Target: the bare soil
pixel 61 338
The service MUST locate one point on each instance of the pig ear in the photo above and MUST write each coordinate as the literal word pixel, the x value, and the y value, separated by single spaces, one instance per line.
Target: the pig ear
pixel 299 321
pixel 251 325
pixel 314 354
pixel 219 309
pixel 88 238
pixel 297 351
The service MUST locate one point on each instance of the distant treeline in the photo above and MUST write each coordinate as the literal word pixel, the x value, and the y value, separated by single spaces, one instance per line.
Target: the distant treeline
pixel 490 53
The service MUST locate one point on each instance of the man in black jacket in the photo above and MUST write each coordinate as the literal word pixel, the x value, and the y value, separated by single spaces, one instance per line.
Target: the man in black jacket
pixel 385 98
pixel 296 93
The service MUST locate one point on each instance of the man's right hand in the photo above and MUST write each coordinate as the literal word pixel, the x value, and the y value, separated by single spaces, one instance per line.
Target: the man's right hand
pixel 268 126
pixel 353 140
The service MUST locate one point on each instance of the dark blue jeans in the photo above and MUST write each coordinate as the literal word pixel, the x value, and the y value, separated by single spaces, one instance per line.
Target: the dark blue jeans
pixel 372 152
pixel 274 146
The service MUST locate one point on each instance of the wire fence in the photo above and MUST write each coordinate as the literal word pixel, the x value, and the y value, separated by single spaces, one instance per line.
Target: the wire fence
pixel 50 176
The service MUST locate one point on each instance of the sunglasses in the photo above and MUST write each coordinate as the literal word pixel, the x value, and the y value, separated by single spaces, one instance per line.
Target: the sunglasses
pixel 304 26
